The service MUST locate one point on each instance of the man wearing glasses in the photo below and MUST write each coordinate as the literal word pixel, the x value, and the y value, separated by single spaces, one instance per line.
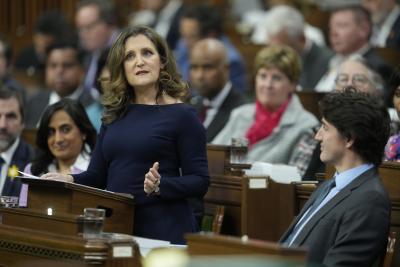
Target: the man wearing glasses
pixel 355 72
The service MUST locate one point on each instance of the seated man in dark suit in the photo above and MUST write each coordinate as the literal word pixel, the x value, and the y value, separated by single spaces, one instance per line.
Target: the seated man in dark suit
pixel 15 154
pixel 64 74
pixel 349 30
pixel 209 77
pixel 205 21
pixel 386 22
pixel 346 220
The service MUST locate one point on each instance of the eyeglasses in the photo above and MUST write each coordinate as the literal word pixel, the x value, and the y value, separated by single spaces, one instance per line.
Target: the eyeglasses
pixel 357 80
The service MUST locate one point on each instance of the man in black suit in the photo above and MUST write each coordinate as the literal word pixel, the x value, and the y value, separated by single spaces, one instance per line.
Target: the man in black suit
pixel 386 21
pixel 350 28
pixel 64 73
pixel 15 154
pixel 209 77
pixel 346 220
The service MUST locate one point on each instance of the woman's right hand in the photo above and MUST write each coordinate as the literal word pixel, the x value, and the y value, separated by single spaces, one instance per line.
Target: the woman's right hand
pixel 58 177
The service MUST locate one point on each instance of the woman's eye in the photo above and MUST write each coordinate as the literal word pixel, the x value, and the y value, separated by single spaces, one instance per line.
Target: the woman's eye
pixel 129 56
pixel 147 53
pixel 65 129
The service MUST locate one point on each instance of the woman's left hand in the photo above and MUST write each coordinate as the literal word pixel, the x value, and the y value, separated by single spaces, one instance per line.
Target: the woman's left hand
pixel 58 177
pixel 152 179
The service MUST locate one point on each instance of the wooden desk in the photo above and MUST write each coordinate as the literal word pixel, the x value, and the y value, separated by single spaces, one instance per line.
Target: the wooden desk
pixel 254 206
pixel 209 244
pixel 29 136
pixel 26 247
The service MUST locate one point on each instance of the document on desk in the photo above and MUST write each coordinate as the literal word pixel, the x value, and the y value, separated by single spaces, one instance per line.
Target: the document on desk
pixel 280 173
pixel 27 175
pixel 147 244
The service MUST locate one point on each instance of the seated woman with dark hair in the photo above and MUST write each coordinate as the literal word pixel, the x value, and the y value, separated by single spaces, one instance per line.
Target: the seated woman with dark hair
pixel 65 139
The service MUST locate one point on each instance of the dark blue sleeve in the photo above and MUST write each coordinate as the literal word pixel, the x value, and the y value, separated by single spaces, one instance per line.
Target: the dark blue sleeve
pixel 96 174
pixel 192 149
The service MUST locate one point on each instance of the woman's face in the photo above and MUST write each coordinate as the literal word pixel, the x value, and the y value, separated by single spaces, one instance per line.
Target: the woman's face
pixel 396 100
pixel 142 63
pixel 65 140
pixel 273 87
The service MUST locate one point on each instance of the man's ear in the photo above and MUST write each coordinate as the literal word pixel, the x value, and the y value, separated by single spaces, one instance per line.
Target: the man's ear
pixel 349 142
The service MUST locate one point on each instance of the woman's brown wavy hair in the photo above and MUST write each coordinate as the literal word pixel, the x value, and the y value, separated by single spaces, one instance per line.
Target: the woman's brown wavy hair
pixel 118 94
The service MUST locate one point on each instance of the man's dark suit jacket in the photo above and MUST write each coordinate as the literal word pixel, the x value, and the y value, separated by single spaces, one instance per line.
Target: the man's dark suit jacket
pixel 393 40
pixel 232 100
pixel 352 228
pixel 173 34
pixel 377 63
pixel 315 63
pixel 38 103
pixel 22 156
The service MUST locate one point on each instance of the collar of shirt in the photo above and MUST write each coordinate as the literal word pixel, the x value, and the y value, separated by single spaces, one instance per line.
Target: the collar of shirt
pixel 345 178
pixel 81 163
pixel 217 101
pixel 215 104
pixel 8 154
pixel 54 97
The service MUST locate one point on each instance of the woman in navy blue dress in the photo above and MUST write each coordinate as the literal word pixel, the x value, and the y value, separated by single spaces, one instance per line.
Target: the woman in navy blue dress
pixel 150 144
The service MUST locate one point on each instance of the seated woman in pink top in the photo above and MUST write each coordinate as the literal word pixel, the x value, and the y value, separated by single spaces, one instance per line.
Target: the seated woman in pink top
pixel 64 140
pixel 392 149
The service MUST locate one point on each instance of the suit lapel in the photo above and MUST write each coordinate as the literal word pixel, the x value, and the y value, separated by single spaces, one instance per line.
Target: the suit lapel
pixel 221 117
pixel 20 159
pixel 303 210
pixel 339 197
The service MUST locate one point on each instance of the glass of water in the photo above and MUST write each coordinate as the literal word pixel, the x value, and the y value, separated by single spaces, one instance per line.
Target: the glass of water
pixel 238 150
pixel 93 222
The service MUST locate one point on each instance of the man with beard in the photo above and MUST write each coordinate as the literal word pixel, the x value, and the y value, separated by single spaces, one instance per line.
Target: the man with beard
pixel 14 153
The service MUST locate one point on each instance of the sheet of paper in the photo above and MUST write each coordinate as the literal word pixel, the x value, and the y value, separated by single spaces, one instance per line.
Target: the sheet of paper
pixel 147 244
pixel 28 175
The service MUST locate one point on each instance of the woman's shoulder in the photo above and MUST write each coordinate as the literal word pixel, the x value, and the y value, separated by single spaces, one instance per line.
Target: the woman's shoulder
pixel 245 110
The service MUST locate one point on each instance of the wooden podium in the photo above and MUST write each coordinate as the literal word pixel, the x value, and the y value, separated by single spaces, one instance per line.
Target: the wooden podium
pixel 45 232
pixel 26 247
pixel 54 206
pixel 254 206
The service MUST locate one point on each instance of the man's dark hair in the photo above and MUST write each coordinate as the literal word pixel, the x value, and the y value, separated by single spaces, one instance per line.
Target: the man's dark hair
pixel 209 18
pixel 106 9
pixel 7 93
pixel 7 48
pixel 53 23
pixel 65 45
pixel 360 117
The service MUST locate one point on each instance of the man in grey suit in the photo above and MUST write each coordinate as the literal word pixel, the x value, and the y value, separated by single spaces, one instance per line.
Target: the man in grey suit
pixel 63 76
pixel 209 76
pixel 285 25
pixel 346 220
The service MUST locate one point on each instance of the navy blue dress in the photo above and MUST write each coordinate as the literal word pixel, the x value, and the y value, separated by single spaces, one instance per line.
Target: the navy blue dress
pixel 127 148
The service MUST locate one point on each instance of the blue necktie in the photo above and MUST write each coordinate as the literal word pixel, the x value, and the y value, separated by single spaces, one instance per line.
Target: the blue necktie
pixel 318 200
